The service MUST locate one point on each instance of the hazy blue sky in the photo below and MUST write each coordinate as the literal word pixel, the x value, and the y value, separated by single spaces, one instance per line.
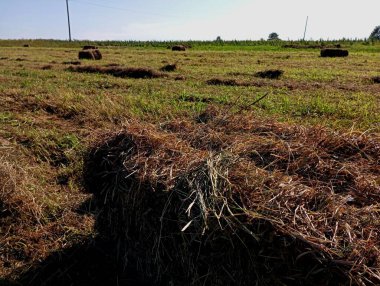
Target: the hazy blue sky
pixel 188 19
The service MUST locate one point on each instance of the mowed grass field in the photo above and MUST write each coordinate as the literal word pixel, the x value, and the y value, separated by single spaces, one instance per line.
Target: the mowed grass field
pixel 49 115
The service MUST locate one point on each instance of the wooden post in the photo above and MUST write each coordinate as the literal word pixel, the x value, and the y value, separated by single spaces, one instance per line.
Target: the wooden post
pixel 68 19
pixel 304 33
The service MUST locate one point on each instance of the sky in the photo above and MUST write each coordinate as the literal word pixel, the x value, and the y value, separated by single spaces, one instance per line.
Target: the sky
pixel 188 19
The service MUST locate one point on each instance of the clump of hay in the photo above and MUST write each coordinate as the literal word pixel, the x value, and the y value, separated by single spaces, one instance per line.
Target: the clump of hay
pixel 334 53
pixel 15 203
pixel 90 55
pixel 376 79
pixel 179 48
pixel 7 188
pixel 240 201
pixel 47 67
pixel 75 63
pixel 227 82
pixel 180 77
pixel 272 74
pixel 169 68
pixel 119 72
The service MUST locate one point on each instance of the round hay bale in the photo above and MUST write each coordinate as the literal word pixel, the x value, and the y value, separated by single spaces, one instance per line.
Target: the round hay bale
pixel 332 53
pixel 179 48
pixel 97 54
pixel 90 55
pixel 26 46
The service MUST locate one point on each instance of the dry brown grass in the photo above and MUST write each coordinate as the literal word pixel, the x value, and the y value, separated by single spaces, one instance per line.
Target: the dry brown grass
pixel 15 202
pixel 231 200
pixel 33 223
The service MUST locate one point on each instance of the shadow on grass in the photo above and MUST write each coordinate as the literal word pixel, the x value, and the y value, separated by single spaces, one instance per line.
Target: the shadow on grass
pixel 92 262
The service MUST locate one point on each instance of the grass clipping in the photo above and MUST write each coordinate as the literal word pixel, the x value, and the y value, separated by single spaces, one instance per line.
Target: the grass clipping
pixel 239 201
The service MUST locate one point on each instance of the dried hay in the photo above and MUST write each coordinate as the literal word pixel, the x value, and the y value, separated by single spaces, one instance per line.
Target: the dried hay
pixel 7 188
pixel 241 201
pixel 180 77
pixel 272 74
pixel 90 55
pixel 119 72
pixel 75 63
pixel 226 82
pixel 376 79
pixel 169 68
pixel 15 203
pixel 334 53
pixel 179 48
pixel 47 67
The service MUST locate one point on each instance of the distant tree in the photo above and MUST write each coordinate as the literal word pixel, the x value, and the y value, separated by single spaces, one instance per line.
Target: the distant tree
pixel 273 36
pixel 218 39
pixel 375 35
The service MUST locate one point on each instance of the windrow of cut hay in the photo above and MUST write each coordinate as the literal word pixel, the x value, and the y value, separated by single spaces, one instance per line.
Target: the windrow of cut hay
pixel 240 201
pixel 119 71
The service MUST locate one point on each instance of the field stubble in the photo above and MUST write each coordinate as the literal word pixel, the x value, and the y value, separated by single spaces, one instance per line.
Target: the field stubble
pixel 49 117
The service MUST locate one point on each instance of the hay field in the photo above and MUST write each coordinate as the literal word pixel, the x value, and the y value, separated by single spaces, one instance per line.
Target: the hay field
pixel 292 179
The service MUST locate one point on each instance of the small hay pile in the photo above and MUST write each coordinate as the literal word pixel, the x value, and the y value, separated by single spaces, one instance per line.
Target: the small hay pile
pixel 240 201
pixel 118 71
pixel 169 68
pixel 332 53
pixel 90 54
pixel 226 82
pixel 179 48
pixel 272 74
pixel 376 79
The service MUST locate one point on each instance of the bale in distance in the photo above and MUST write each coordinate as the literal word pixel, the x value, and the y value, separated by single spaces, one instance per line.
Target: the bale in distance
pixel 90 55
pixel 179 48
pixel 332 53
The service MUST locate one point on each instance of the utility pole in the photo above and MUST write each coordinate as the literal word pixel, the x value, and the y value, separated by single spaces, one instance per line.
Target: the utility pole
pixel 68 19
pixel 304 33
